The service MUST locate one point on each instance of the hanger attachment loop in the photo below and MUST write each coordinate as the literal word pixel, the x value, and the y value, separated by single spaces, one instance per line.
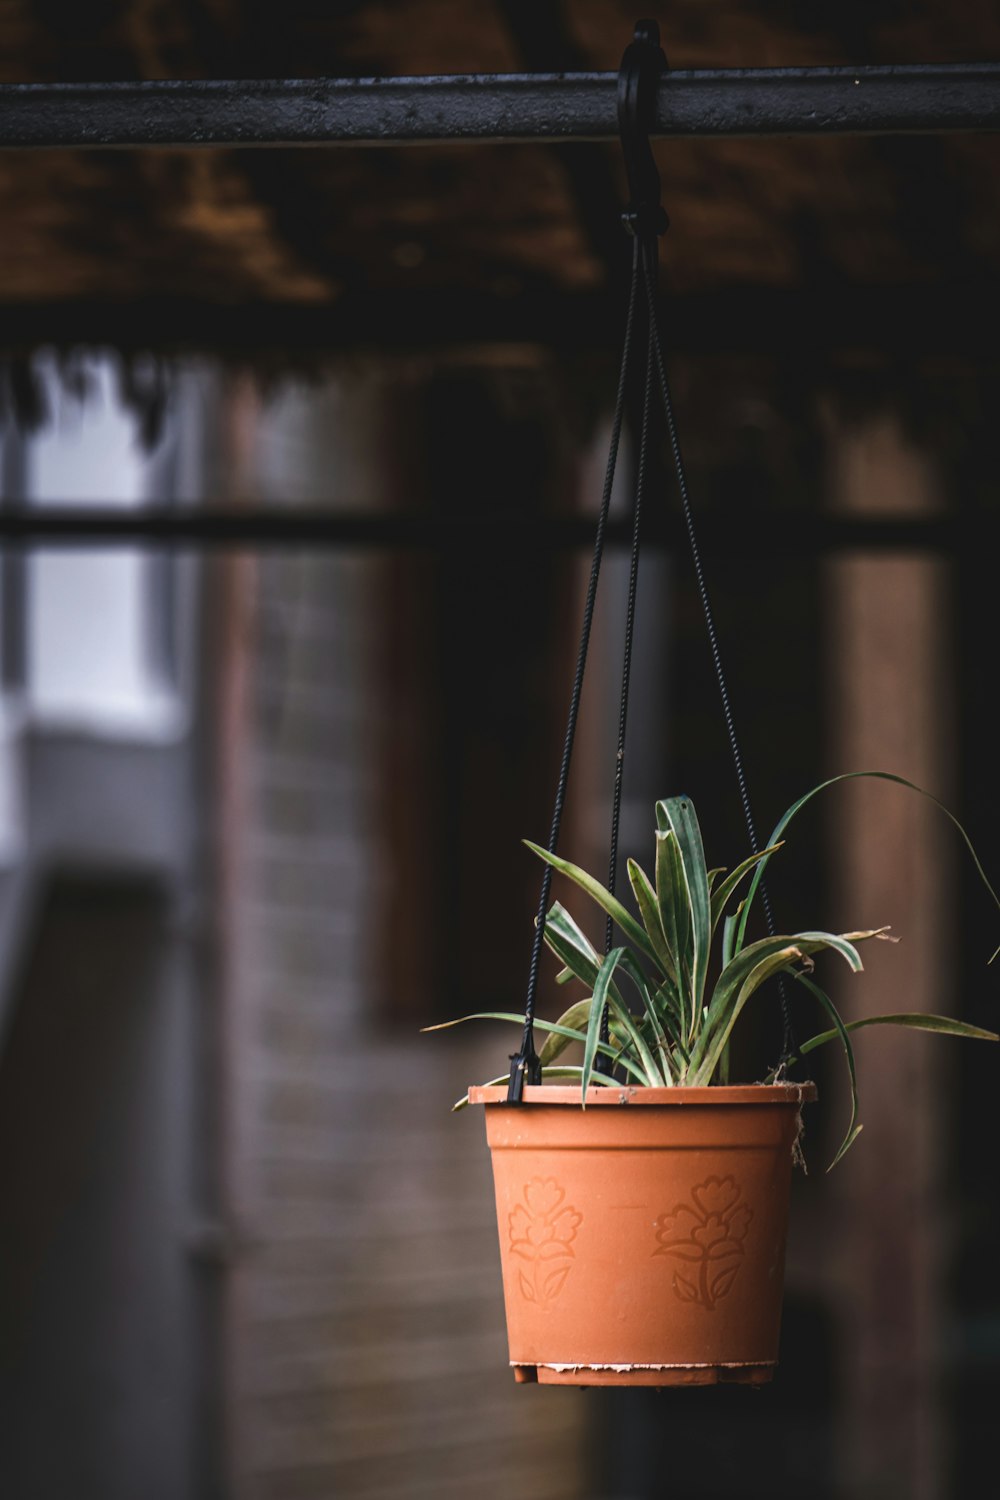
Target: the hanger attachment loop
pixel 642 67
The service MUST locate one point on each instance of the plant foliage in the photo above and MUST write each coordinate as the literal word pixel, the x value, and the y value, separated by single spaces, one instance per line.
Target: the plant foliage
pixel 669 1024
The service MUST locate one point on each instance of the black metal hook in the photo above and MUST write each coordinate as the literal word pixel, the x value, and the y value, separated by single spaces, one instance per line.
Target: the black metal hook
pixel 642 66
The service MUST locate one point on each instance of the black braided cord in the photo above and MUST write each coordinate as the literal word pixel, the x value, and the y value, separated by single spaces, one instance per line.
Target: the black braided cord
pixel 604 1064
pixel 645 220
pixel 648 273
pixel 525 1067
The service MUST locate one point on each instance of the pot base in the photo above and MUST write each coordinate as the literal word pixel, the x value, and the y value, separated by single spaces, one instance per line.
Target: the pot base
pixel 655 1375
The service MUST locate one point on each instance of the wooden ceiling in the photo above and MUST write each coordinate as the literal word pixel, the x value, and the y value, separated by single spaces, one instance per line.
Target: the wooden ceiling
pixel 151 247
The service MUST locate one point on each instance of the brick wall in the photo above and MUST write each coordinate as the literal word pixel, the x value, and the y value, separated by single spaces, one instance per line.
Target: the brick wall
pixel 366 1349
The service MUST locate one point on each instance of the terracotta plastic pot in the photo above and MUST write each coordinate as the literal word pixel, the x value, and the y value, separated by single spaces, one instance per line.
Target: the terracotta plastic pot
pixel 642 1239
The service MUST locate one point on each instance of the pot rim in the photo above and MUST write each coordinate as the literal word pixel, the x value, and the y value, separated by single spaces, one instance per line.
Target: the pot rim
pixel 568 1095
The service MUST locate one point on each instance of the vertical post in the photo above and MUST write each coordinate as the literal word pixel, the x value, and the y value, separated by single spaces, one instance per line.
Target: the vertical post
pixel 889 710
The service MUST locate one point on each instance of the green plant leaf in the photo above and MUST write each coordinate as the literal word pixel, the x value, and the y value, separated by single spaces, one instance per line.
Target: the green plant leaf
pixel 557 1028
pixel 571 1071
pixel 568 943
pixel 683 821
pixel 491 1083
pixel 659 1003
pixel 790 812
pixel 571 946
pixel 717 1037
pixel 580 964
pixel 668 1010
pixel 505 1015
pixel 917 1020
pixel 601 997
pixel 660 998
pixel 844 943
pixel 675 914
pixel 632 929
pixel 726 989
pixel 649 910
pixel 726 1002
pixel 563 1072
pixel 642 1054
pixel 841 1031
pixel 572 1026
pixel 588 969
pixel 605 994
pixel 728 886
pixel 565 1032
pixel 729 926
pixel 558 920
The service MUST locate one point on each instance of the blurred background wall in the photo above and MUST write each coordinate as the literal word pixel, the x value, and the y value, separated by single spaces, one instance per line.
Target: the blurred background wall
pixel 261 810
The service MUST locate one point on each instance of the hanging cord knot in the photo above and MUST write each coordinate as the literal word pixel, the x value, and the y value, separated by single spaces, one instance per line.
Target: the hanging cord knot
pixel 525 1066
pixel 643 65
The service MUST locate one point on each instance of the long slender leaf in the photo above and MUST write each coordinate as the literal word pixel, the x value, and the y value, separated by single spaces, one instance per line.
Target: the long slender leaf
pixel 572 1071
pixel 649 910
pixel 555 1043
pixel 573 1027
pixel 683 820
pixel 841 1031
pixel 654 1075
pixel 732 978
pixel 727 987
pixel 580 964
pixel 632 929
pixel 604 995
pixel 670 1019
pixel 588 969
pixel 571 946
pixel 729 935
pixel 661 1000
pixel 771 963
pixel 917 1020
pixel 601 997
pixel 790 812
pixel 559 920
pixel 564 1072
pixel 675 914
pixel 573 1024
pixel 556 1028
pixel 658 1005
pixel 728 886
pixel 506 1015
pixel 843 943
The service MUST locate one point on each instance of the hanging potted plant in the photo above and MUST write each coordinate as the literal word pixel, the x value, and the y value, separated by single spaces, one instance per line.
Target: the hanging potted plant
pixel 642 1200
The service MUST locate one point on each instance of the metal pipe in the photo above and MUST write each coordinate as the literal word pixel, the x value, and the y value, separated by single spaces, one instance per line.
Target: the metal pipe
pixel 497 107
pixel 766 536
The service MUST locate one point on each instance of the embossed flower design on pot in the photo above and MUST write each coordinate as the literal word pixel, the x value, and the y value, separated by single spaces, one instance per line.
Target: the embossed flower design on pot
pixel 542 1230
pixel 708 1233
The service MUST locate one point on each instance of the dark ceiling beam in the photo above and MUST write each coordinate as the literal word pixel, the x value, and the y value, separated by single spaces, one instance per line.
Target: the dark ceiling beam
pixel 496 107
pixel 961 319
pixel 763 535
pixel 544 39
